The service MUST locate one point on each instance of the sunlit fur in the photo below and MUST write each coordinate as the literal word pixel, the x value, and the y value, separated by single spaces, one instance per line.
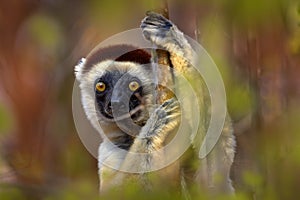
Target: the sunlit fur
pixel 213 172
pixel 155 129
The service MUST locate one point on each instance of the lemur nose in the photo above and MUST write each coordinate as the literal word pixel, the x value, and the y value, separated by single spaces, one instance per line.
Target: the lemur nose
pixel 117 105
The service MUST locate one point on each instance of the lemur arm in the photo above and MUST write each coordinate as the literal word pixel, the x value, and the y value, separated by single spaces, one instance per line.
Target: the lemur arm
pixel 167 36
pixel 152 136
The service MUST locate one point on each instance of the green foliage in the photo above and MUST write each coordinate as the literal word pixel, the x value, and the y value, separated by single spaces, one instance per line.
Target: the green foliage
pixel 6 120
pixel 10 193
pixel 76 190
pixel 253 12
pixel 253 180
pixel 240 100
pixel 46 31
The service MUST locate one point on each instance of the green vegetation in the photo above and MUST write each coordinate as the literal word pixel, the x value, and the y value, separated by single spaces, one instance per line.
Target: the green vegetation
pixel 255 44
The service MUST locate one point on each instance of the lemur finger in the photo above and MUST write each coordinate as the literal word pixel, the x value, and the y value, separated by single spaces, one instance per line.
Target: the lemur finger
pixel 157 20
pixel 169 101
pixel 152 23
pixel 169 110
pixel 155 25
pixel 172 109
pixel 171 104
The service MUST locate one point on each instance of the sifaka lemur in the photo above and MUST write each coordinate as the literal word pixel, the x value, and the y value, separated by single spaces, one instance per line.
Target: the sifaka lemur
pixel 117 87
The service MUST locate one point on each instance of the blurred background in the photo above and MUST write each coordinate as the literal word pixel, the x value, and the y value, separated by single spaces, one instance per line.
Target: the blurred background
pixel 255 44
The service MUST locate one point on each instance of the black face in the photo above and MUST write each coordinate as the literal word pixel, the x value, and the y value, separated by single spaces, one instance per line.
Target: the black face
pixel 119 95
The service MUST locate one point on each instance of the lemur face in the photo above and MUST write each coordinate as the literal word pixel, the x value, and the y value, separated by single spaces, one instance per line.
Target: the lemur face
pixel 119 95
pixel 116 84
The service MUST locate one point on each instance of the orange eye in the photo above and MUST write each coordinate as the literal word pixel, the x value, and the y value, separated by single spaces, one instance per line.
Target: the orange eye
pixel 133 85
pixel 100 87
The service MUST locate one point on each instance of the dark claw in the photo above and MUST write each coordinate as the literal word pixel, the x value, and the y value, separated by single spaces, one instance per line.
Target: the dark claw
pixel 156 20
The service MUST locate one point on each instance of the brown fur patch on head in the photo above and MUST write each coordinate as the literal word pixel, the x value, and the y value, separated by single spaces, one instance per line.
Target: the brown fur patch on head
pixel 117 53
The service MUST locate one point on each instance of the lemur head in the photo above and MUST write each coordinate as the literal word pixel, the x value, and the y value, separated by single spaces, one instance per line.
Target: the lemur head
pixel 115 84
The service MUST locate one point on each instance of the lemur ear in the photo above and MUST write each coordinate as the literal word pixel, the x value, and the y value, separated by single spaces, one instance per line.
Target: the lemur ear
pixel 78 68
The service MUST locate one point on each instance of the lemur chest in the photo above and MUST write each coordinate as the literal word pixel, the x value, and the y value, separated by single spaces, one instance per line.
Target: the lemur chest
pixel 116 136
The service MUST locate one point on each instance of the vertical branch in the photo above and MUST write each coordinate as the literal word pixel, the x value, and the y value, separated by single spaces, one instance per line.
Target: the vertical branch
pixel 162 66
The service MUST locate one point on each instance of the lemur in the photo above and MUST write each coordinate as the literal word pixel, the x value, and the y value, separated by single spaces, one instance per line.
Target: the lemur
pixel 119 78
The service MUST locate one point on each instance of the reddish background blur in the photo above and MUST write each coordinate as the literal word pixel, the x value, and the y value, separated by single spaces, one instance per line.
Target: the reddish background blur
pixel 256 45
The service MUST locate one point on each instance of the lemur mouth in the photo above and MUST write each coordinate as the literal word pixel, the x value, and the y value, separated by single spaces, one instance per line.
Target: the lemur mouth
pixel 133 114
pixel 130 114
pixel 136 107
